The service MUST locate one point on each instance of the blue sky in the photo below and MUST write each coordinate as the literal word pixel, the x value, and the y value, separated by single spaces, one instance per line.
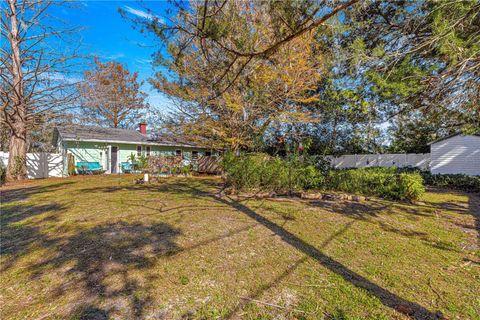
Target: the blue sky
pixel 106 34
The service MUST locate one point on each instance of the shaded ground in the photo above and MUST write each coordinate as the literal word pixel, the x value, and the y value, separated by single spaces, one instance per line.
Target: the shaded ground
pixel 103 248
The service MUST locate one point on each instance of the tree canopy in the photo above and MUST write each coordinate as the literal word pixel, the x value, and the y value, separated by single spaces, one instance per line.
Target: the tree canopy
pixel 111 95
pixel 350 76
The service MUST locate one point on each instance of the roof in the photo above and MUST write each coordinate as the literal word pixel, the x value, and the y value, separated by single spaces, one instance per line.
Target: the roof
pixel 76 133
pixel 451 136
pixel 112 135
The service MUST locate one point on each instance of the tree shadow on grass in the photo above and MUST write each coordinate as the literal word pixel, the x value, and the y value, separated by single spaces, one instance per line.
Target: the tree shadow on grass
pixel 89 312
pixel 19 194
pixel 272 284
pixel 94 263
pixel 176 187
pixel 18 236
pixel 18 213
pixel 474 208
pixel 447 205
pixel 389 299
pixel 99 262
pixel 369 213
pixel 354 210
pixel 161 209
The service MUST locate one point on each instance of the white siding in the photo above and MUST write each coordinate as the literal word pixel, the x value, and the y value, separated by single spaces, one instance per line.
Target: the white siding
pixel 458 154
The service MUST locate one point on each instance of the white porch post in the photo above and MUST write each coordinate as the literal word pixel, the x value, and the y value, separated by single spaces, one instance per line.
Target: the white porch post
pixel 108 157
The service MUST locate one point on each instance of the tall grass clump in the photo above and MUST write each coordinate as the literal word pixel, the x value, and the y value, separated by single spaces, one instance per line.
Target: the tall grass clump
pixel 386 183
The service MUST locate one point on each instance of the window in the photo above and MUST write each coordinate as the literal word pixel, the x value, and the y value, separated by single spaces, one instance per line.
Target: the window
pixel 208 153
pixel 148 151
pixel 194 155
pixel 139 151
pixel 178 153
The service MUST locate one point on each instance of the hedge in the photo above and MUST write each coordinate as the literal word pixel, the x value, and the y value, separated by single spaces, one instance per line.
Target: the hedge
pixel 453 181
pixel 382 182
pixel 260 172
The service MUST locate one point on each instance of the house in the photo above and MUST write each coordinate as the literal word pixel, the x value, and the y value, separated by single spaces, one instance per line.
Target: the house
pixel 111 146
pixel 456 153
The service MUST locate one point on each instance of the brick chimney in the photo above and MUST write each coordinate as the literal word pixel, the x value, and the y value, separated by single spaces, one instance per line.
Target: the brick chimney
pixel 142 127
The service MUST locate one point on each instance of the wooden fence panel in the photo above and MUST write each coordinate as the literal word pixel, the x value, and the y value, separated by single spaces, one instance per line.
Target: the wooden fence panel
pixel 208 164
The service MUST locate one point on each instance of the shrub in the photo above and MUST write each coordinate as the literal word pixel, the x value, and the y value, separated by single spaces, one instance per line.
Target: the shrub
pixel 260 172
pixel 185 170
pixel 142 162
pixel 453 181
pixel 310 177
pixel 383 182
pixel 410 186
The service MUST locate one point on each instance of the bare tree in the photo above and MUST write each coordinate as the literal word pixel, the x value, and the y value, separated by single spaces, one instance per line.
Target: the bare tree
pixel 111 95
pixel 35 67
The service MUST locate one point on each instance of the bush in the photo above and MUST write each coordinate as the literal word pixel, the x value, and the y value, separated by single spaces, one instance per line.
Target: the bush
pixel 260 172
pixel 410 186
pixel 454 181
pixel 382 182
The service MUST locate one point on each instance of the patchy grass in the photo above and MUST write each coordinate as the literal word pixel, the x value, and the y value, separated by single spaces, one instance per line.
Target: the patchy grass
pixel 101 247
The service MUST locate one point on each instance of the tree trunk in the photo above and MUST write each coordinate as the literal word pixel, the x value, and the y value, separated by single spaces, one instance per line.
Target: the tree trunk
pixel 17 159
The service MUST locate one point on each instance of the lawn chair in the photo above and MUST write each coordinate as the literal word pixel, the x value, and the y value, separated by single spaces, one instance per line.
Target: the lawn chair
pixel 85 167
pixel 126 167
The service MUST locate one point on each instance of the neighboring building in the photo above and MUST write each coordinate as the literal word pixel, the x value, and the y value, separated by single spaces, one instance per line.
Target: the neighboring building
pixel 456 154
pixel 111 146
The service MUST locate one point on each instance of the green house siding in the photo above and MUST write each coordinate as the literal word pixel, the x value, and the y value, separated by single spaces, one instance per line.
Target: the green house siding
pixel 100 152
pixel 87 151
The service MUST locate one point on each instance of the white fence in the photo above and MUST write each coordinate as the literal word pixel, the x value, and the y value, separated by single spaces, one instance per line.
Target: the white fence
pixel 40 165
pixel 419 160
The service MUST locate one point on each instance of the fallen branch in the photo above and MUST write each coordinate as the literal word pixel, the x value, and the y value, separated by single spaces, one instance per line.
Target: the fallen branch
pixel 439 297
pixel 312 285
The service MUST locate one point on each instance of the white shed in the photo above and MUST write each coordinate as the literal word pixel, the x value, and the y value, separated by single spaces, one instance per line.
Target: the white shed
pixel 456 154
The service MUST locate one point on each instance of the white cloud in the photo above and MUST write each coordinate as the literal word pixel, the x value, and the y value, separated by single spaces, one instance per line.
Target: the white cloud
pixel 61 77
pixel 114 56
pixel 143 61
pixel 142 14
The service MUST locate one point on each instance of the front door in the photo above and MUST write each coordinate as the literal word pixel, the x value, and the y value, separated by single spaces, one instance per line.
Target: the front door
pixel 114 159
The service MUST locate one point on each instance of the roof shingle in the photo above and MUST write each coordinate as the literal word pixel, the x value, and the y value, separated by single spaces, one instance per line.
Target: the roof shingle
pixel 91 133
pixel 76 132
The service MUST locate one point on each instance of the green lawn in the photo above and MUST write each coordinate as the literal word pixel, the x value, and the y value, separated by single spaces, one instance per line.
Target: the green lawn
pixel 101 247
